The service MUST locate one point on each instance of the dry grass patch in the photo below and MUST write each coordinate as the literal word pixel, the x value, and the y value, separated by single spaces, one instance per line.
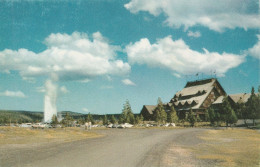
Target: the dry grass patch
pixel 16 135
pixel 237 147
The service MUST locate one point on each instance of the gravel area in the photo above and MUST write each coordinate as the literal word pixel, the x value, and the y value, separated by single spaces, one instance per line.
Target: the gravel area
pixel 119 147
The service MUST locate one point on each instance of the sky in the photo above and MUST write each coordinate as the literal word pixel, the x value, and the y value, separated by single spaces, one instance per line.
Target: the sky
pixel 99 53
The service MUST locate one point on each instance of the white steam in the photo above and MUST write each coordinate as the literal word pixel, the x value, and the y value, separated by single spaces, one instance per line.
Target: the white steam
pixel 50 108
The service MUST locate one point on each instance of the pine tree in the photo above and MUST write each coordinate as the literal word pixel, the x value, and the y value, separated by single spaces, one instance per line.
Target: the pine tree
pixel 67 121
pixel 228 113
pixel 54 120
pixel 127 115
pixel 218 118
pixel 125 112
pixel 141 118
pixel 172 115
pixel 212 116
pixel 191 118
pixel 157 115
pixel 258 103
pixel 120 120
pixel 207 116
pixel 232 117
pixel 163 116
pixel 252 105
pixel 81 121
pixel 105 121
pixel 242 111
pixel 137 119
pixel 131 118
pixel 113 120
pixel 89 118
pixel 169 117
pixel 160 114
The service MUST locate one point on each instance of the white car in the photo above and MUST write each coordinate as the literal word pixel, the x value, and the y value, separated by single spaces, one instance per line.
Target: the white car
pixel 166 125
pixel 125 125
pixel 172 124
pixel 38 126
pixel 110 126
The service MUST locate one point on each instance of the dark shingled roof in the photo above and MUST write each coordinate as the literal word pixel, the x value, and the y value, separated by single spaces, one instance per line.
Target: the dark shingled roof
pixel 150 108
pixel 196 92
pixel 241 97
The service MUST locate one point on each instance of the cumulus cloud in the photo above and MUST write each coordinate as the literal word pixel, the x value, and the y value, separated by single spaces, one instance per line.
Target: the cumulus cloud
pixel 13 94
pixel 195 34
pixel 255 50
pixel 128 82
pixel 179 58
pixel 216 15
pixel 85 109
pixel 64 90
pixel 177 75
pixel 69 57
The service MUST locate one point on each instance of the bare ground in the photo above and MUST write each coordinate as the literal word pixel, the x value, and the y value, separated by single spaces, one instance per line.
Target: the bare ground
pixel 118 147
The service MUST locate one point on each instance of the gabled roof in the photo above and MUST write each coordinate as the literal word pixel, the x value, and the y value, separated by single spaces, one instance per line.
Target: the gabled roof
pixel 150 108
pixel 219 100
pixel 236 98
pixel 192 90
pixel 194 94
pixel 241 97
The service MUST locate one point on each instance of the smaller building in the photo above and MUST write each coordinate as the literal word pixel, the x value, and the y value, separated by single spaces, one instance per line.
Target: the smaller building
pixel 233 99
pixel 148 111
pixel 239 98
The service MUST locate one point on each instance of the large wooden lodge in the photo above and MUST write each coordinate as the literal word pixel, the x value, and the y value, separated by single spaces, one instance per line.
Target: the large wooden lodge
pixel 198 96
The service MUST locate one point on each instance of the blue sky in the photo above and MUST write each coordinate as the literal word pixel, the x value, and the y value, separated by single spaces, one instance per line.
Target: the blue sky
pixel 100 53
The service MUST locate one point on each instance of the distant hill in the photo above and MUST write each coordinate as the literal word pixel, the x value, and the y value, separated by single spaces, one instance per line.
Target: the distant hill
pixel 20 116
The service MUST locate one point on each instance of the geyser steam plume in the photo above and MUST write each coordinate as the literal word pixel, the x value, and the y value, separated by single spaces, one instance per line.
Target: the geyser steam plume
pixel 50 100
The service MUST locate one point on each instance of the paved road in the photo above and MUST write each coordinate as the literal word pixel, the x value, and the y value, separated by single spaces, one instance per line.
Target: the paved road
pixel 119 148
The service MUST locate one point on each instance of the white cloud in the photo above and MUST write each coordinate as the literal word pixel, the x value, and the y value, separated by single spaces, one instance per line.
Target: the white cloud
pixel 64 90
pixel 13 94
pixel 216 15
pixel 177 75
pixel 179 58
pixel 41 89
pixel 85 80
pixel 195 34
pixel 255 50
pixel 69 57
pixel 128 82
pixel 85 109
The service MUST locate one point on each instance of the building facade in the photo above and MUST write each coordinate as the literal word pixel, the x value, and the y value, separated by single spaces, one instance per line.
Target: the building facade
pixel 196 95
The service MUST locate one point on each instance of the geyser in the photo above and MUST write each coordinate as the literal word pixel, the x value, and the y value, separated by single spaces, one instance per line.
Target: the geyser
pixel 50 98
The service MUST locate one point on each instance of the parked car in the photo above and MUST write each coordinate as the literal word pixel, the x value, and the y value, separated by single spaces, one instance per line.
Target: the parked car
pixel 25 125
pixel 38 126
pixel 94 126
pixel 172 124
pixel 110 126
pixel 125 125
pixel 115 126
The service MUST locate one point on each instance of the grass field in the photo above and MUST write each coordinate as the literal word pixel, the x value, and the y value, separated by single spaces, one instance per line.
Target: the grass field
pixel 16 135
pixel 230 148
